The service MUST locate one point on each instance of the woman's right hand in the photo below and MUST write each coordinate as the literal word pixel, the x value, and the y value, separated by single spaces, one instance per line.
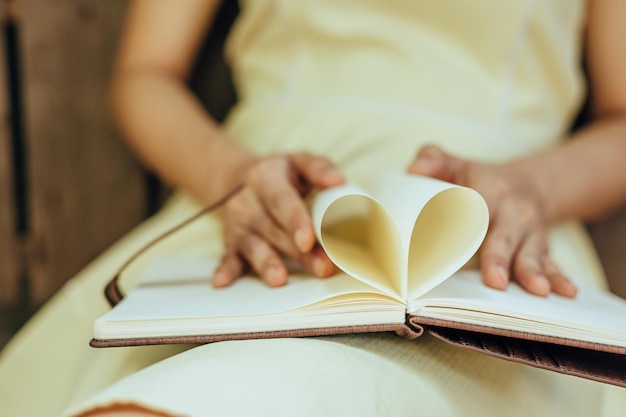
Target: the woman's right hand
pixel 269 218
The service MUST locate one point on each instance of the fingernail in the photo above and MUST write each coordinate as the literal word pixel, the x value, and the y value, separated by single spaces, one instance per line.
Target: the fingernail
pixel 423 164
pixel 273 276
pixel 334 177
pixel 503 275
pixel 542 285
pixel 570 290
pixel 219 280
pixel 320 266
pixel 301 239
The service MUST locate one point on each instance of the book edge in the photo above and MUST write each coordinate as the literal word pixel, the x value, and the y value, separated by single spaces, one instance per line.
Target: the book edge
pixel 418 321
pixel 401 329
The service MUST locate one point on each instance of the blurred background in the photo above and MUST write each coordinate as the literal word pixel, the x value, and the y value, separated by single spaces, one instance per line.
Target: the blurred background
pixel 69 187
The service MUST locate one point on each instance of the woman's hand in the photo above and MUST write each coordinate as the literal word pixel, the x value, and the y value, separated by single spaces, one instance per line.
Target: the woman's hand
pixel 268 218
pixel 516 243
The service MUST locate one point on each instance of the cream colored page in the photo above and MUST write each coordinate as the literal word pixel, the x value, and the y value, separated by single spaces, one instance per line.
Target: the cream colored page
pixel 440 223
pixel 594 315
pixel 189 281
pixel 360 237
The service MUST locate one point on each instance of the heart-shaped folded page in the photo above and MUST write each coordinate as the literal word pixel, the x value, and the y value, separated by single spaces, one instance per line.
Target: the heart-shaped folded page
pixel 403 236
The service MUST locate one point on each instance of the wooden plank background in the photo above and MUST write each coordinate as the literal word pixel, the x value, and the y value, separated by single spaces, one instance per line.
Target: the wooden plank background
pixel 83 185
pixel 9 264
pixel 74 188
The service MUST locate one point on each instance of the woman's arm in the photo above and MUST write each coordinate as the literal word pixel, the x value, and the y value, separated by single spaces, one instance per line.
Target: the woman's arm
pixel 585 177
pixel 157 114
pixel 173 135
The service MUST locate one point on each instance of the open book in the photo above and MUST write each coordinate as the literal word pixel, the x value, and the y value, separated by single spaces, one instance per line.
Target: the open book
pixel 401 246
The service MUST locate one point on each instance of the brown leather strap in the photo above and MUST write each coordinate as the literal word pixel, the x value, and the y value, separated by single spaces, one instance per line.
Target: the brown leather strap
pixel 112 291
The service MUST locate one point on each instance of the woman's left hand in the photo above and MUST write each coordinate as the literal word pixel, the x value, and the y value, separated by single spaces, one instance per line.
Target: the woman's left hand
pixel 516 244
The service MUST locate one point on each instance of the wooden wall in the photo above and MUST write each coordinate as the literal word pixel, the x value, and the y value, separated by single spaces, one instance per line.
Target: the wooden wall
pixel 9 264
pixel 69 187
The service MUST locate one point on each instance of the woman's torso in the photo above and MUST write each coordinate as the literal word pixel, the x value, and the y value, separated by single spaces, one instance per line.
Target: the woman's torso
pixel 368 82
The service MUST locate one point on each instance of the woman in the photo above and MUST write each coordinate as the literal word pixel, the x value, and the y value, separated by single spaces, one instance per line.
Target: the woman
pixel 494 85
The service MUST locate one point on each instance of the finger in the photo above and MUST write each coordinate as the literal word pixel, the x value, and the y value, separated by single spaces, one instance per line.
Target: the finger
pixel 276 236
pixel 499 247
pixel 318 263
pixel 255 218
pixel 559 283
pixel 433 162
pixel 286 207
pixel 230 268
pixel 263 259
pixel 528 265
pixel 317 171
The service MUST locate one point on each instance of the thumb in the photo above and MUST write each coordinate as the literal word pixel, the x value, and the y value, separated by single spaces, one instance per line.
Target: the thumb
pixel 316 170
pixel 432 161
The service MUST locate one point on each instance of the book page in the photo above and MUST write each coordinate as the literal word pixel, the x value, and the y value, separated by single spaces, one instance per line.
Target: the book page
pixel 442 224
pixel 405 235
pixel 176 297
pixel 593 316
pixel 360 237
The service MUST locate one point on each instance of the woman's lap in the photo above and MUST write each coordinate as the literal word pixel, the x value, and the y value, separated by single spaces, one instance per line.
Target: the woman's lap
pixel 356 374
pixel 365 375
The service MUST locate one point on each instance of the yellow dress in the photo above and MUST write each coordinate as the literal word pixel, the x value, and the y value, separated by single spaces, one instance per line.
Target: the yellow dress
pixel 366 82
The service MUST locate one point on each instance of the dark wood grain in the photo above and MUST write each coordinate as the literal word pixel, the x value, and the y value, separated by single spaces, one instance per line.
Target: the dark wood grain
pixel 9 256
pixel 85 189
